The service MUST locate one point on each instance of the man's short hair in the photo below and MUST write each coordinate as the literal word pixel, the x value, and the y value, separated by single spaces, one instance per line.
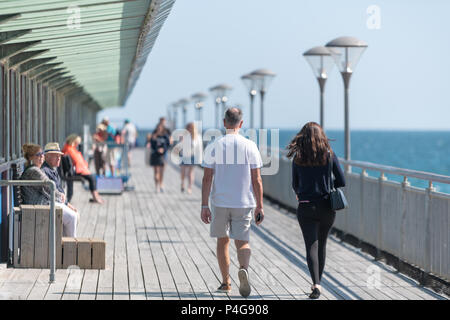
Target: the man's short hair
pixel 233 116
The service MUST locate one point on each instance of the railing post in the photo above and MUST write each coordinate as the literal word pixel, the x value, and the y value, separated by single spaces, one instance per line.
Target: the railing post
pixel 428 249
pixel 10 209
pixel 381 181
pixel 405 184
pixel 361 203
pixel 52 232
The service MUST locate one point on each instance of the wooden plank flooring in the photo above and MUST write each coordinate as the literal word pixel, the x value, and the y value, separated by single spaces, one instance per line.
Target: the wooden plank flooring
pixel 158 248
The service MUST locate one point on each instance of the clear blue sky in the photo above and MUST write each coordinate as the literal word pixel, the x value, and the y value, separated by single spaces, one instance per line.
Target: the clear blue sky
pixel 401 82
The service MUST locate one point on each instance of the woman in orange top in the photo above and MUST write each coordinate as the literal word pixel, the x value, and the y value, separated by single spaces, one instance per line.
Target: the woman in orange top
pixel 81 166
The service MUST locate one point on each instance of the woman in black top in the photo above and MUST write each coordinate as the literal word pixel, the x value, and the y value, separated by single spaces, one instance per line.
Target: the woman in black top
pixel 159 144
pixel 311 152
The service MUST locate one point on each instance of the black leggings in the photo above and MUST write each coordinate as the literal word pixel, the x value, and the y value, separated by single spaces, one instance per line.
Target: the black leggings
pixel 316 220
pixel 90 179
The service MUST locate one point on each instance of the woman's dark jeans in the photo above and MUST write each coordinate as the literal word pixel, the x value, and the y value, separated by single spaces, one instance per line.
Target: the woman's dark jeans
pixel 316 220
pixel 91 179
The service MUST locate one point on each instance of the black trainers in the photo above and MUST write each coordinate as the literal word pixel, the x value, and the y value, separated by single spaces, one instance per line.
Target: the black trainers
pixel 224 288
pixel 315 294
pixel 244 287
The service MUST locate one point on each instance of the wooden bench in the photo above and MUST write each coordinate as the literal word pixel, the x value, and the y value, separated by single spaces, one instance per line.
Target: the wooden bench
pixel 32 245
pixel 86 253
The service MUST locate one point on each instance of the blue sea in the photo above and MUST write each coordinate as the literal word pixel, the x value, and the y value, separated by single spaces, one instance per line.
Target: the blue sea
pixel 427 151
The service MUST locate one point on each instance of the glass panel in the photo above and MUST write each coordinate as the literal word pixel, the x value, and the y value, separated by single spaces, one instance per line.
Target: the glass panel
pixel 347 58
pixel 263 82
pixel 12 112
pixel 18 114
pixel 249 83
pixel 2 118
pixel 321 65
pixel 23 111
pixel 39 114
pixel 44 116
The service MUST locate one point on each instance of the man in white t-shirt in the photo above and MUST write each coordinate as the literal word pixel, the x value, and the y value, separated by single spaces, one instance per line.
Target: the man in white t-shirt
pixel 234 161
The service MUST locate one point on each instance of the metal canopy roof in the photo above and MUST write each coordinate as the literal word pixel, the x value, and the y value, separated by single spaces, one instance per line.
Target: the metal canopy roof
pixel 106 54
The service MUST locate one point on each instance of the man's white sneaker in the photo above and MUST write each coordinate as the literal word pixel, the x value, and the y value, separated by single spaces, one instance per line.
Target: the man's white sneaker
pixel 244 287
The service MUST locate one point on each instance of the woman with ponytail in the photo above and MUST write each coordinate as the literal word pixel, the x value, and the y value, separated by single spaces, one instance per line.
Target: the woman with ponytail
pixel 311 153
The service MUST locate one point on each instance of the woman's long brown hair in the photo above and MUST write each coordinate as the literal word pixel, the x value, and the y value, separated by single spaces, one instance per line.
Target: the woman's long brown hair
pixel 310 146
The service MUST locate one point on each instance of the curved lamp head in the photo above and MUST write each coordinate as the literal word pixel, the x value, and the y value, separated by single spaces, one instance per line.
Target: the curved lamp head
pixel 346 52
pixel 321 61
pixel 221 90
pixel 182 103
pixel 198 98
pixel 263 78
pixel 250 82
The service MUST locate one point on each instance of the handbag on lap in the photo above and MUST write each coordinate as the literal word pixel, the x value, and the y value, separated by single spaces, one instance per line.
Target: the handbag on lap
pixel 337 197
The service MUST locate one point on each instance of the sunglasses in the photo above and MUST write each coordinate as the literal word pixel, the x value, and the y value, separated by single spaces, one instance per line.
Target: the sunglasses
pixel 39 154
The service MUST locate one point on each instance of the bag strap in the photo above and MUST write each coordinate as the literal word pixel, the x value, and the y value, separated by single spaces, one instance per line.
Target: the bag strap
pixel 330 167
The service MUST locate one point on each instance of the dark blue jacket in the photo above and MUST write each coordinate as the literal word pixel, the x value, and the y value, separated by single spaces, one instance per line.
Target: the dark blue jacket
pixel 53 175
pixel 311 182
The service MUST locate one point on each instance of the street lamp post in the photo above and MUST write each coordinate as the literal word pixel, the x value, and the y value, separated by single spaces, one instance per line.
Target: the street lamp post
pixel 321 62
pixel 346 52
pixel 199 99
pixel 175 115
pixel 250 82
pixel 263 78
pixel 220 92
pixel 217 99
pixel 183 104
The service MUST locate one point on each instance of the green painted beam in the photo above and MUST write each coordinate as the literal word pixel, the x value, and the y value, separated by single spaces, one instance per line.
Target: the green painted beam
pixel 64 85
pixel 58 81
pixel 31 65
pixel 23 57
pixel 47 74
pixel 40 70
pixel 52 77
pixel 11 35
pixel 7 17
pixel 8 50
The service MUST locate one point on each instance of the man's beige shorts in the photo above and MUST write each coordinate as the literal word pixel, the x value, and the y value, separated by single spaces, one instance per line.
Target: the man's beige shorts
pixel 231 222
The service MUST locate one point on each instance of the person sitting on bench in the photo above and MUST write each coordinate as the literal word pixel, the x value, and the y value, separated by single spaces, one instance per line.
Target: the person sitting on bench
pixel 41 195
pixel 52 155
pixel 81 166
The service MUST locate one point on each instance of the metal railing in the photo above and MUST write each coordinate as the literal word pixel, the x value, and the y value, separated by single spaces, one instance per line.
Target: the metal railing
pixel 405 173
pixel 35 183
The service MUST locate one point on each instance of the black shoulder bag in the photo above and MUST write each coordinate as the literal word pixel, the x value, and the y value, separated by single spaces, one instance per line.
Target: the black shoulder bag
pixel 337 197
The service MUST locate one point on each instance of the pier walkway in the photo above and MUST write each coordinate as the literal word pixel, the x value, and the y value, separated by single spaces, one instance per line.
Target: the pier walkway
pixel 158 248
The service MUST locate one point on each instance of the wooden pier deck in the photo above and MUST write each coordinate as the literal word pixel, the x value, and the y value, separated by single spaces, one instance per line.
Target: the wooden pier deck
pixel 158 248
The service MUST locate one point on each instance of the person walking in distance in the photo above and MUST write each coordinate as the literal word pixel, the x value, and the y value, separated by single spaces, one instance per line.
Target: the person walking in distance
pixel 191 154
pixel 237 191
pixel 311 153
pixel 129 136
pixel 159 145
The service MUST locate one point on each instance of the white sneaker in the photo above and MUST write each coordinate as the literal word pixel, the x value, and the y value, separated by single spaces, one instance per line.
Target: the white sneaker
pixel 244 287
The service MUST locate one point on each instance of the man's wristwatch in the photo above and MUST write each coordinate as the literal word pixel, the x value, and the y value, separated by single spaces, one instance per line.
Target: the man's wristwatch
pixel 205 207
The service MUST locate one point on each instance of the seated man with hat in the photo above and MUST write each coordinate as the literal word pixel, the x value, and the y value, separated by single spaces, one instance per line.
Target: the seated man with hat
pixel 71 216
